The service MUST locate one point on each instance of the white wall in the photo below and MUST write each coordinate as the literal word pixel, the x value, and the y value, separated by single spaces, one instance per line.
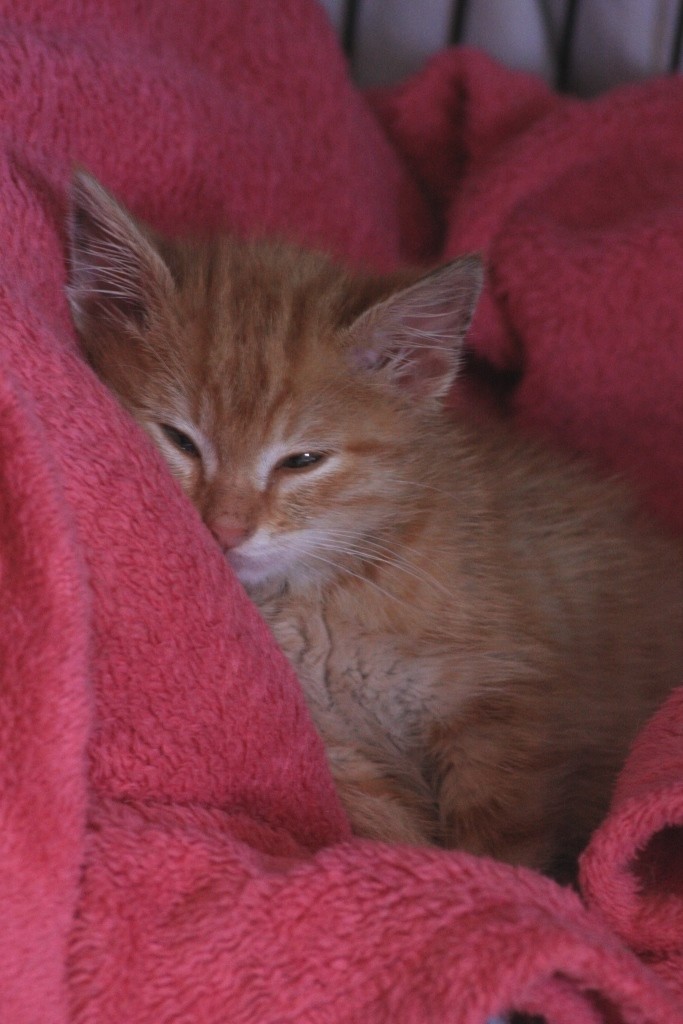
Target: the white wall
pixel 614 41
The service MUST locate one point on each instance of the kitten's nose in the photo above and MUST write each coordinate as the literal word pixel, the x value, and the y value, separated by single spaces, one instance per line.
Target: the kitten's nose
pixel 228 532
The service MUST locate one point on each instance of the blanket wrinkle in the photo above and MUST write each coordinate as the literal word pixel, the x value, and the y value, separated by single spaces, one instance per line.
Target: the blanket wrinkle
pixel 272 977
pixel 171 845
pixel 632 871
pixel 45 694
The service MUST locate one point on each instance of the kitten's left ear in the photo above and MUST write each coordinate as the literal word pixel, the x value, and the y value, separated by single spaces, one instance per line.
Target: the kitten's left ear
pixel 116 271
pixel 414 338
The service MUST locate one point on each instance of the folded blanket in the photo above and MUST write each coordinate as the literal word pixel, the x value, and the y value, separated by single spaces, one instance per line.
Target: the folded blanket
pixel 171 845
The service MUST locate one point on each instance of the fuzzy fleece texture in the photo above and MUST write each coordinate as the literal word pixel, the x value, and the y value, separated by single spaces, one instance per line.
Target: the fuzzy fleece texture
pixel 171 847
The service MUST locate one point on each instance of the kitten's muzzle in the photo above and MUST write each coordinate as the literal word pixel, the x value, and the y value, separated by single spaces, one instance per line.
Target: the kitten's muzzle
pixel 229 532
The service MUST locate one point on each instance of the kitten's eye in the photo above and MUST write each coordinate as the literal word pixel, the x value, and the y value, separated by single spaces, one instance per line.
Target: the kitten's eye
pixel 301 460
pixel 181 440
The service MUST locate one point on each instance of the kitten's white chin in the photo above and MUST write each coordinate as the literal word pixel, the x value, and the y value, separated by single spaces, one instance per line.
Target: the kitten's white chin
pixel 285 558
pixel 258 570
pixel 259 562
pixel 252 571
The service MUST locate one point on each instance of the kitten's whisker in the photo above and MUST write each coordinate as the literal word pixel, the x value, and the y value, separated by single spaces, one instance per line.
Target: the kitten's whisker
pixel 368 543
pixel 394 557
pixel 424 487
pixel 110 291
pixel 413 345
pixel 349 572
pixel 383 555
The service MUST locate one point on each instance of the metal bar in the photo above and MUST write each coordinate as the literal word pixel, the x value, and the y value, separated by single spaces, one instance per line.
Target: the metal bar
pixel 564 49
pixel 350 26
pixel 456 34
pixel 678 40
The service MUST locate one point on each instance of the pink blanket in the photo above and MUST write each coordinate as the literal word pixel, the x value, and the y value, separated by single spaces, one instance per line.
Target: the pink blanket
pixel 171 848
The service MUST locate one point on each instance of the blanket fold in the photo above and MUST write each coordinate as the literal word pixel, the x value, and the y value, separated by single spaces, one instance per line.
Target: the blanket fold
pixel 632 872
pixel 293 940
pixel 45 711
pixel 171 845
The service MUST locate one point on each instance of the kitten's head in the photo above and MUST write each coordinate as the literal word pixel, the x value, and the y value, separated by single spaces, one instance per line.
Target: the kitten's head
pixel 292 401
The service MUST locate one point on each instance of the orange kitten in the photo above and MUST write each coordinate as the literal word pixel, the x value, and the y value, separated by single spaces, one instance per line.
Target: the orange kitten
pixel 479 628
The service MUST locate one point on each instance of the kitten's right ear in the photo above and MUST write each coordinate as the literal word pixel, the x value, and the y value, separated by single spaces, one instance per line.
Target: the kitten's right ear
pixel 116 272
pixel 414 339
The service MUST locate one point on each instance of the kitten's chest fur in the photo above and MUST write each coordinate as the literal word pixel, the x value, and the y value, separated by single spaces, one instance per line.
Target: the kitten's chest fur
pixel 362 681
pixel 374 694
